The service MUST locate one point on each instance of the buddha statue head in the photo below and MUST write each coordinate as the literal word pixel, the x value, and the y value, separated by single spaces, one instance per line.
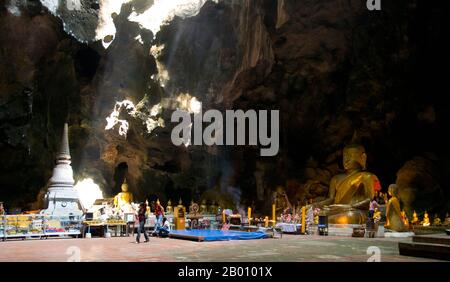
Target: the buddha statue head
pixel 124 186
pixel 392 190
pixel 354 157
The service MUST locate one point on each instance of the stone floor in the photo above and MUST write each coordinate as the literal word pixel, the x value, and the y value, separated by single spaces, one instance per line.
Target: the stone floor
pixel 292 248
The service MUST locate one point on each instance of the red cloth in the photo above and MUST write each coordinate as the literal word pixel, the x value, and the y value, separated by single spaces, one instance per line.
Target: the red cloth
pixel 159 210
pixel 377 186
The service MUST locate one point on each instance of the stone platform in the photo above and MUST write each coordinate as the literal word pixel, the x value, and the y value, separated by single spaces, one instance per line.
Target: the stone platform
pixel 398 234
pixel 342 229
pixel 436 246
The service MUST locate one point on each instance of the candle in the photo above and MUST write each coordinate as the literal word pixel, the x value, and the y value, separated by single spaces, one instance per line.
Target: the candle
pixel 223 216
pixel 303 219
pixel 249 214
pixel 266 221
pixel 273 214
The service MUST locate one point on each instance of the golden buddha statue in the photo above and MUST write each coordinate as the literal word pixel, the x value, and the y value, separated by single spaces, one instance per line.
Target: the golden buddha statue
pixel 203 208
pixel 124 197
pixel 426 220
pixel 169 208
pixel 281 201
pixel 436 220
pixel 394 219
pixel 191 207
pixel 213 209
pixel 405 218
pixel 350 193
pixel 147 211
pixel 415 219
pixel 447 219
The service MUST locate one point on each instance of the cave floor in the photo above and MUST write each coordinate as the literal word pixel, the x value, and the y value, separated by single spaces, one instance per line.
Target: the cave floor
pixel 289 248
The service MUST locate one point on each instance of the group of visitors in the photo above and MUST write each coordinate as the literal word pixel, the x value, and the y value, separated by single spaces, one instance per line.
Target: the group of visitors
pixel 162 225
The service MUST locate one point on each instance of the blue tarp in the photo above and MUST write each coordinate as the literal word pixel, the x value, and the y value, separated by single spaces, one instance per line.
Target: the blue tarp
pixel 217 235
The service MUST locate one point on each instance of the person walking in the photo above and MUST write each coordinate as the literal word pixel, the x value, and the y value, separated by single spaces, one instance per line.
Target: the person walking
pixel 142 218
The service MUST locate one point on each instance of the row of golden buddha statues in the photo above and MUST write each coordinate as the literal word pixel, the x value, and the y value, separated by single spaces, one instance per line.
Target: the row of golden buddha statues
pixel 124 200
pixel 348 198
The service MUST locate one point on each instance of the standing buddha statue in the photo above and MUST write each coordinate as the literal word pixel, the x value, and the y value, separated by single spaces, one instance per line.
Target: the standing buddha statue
pixel 394 219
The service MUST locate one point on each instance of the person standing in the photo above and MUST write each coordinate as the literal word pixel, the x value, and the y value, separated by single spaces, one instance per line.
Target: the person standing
pixel 159 213
pixel 142 218
pixel 372 206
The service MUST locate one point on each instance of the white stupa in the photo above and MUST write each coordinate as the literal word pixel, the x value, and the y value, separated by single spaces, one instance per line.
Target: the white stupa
pixel 62 199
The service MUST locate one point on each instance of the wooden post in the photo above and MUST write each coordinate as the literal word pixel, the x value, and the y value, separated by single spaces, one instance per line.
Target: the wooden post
pixel 303 220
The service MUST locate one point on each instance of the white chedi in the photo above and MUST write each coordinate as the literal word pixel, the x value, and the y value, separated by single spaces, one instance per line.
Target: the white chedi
pixel 62 199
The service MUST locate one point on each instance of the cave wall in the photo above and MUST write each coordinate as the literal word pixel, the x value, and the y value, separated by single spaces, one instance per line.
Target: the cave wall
pixel 336 71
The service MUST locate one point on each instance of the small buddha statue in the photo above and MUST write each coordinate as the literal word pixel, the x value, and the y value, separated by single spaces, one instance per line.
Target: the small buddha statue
pixel 377 215
pixel 123 198
pixel 213 208
pixel 203 208
pixel 191 206
pixel 169 207
pixel 180 205
pixel 350 193
pixel 148 207
pixel 436 220
pixel 415 219
pixel 447 220
pixel 405 218
pixel 394 219
pixel 426 220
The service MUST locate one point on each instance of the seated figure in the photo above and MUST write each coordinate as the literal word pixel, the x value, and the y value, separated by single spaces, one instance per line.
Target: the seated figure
pixel 350 193
pixel 447 219
pixel 123 200
pixel 437 221
pixel 426 220
pixel 394 220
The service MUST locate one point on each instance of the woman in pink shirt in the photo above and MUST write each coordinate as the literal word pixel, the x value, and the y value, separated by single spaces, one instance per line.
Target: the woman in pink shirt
pixel 372 206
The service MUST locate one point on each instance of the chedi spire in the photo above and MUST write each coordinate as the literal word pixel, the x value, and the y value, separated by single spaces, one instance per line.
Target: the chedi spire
pixel 61 198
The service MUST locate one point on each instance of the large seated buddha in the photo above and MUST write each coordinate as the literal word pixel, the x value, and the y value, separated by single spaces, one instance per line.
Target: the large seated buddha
pixel 124 199
pixel 350 193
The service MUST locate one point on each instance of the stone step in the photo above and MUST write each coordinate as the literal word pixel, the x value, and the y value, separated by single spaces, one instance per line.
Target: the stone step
pixel 425 250
pixel 441 239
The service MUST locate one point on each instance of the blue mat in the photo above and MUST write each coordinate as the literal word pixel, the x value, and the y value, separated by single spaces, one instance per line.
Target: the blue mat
pixel 216 235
